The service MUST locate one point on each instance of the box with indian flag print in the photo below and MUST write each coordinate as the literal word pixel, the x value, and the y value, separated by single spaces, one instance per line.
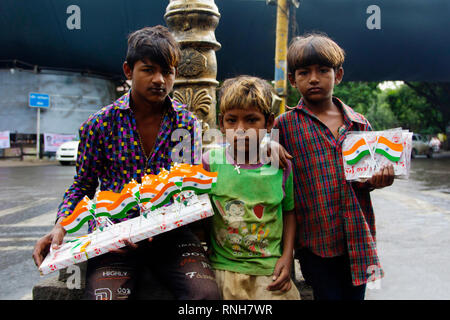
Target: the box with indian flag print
pixel 166 201
pixel 366 152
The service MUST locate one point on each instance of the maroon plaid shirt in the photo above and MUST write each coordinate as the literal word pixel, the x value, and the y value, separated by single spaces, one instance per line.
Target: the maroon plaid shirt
pixel 334 216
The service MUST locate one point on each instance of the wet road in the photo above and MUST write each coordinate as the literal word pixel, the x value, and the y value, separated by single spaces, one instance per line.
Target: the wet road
pixel 412 218
pixel 413 233
pixel 29 197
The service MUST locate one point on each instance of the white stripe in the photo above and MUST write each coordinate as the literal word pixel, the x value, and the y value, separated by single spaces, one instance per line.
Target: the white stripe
pixel 124 203
pixel 196 185
pixel 386 148
pixel 356 153
pixel 164 197
pixel 31 204
pixel 45 219
pixel 18 238
pixel 77 221
pixel 17 248
pixel 147 195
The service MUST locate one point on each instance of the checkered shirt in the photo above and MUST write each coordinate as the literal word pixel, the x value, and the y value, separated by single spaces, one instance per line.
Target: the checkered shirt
pixel 334 216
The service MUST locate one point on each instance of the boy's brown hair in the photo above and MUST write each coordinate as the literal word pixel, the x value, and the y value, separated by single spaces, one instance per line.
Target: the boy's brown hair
pixel 154 43
pixel 314 48
pixel 243 92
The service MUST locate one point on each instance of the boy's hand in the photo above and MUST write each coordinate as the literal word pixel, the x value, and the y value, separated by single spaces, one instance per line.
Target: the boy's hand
pixel 51 240
pixel 278 154
pixel 129 245
pixel 383 178
pixel 281 275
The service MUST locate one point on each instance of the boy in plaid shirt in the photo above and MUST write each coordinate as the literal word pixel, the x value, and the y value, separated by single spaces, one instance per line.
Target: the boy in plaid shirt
pixel 336 242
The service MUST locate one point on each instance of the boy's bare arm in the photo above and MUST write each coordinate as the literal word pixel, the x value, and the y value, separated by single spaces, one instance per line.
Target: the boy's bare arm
pixel 278 154
pixel 282 271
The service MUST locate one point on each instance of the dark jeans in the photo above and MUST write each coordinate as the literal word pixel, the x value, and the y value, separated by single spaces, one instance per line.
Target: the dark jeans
pixel 330 278
pixel 176 258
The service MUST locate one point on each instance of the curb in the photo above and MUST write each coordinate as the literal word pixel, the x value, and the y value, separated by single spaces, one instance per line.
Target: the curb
pixel 26 163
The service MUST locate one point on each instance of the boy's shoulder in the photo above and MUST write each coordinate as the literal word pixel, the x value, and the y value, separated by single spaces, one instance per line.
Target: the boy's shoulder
pixel 100 117
pixel 352 114
pixel 183 115
pixel 292 112
pixel 286 116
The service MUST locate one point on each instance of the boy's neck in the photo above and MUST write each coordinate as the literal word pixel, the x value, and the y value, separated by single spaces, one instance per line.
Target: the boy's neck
pixel 143 109
pixel 320 107
pixel 250 159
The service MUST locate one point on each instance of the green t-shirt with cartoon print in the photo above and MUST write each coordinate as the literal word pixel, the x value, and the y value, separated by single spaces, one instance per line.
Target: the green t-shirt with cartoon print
pixel 248 202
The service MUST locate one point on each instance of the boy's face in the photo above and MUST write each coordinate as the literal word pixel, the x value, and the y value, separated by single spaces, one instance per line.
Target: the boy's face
pixel 316 82
pixel 242 127
pixel 150 81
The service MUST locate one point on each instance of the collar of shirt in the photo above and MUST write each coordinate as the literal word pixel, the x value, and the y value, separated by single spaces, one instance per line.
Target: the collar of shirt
pixel 349 113
pixel 350 117
pixel 123 102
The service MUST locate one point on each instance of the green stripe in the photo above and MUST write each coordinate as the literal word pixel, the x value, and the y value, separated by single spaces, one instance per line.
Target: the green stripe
pixel 166 200
pixel 103 214
pixel 387 155
pixel 123 214
pixel 80 224
pixel 142 200
pixel 361 155
pixel 197 190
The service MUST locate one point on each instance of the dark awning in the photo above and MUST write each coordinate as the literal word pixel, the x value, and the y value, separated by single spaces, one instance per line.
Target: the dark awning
pixel 413 43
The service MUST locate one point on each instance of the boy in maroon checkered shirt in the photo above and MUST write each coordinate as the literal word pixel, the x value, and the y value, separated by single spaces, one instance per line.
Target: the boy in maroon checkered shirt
pixel 336 243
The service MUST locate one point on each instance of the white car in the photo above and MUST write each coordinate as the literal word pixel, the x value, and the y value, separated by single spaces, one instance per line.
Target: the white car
pixel 421 146
pixel 67 152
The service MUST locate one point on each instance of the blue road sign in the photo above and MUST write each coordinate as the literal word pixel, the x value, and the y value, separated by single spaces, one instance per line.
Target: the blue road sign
pixel 39 100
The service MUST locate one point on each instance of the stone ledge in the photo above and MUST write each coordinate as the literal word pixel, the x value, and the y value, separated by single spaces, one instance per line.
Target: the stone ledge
pixel 56 288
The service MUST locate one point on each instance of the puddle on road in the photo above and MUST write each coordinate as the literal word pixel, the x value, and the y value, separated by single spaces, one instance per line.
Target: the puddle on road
pixel 431 174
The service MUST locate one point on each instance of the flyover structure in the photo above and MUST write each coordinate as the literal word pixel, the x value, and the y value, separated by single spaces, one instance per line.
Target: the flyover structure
pixel 73 50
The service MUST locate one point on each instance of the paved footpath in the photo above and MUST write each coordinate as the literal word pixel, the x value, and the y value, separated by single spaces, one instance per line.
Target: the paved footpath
pixel 413 236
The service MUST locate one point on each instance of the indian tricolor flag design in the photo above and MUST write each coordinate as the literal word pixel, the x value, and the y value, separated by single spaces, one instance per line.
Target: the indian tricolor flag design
pixel 80 215
pixel 131 188
pixel 358 151
pixel 200 173
pixel 390 150
pixel 164 196
pixel 197 185
pixel 104 200
pixel 180 171
pixel 122 205
pixel 147 193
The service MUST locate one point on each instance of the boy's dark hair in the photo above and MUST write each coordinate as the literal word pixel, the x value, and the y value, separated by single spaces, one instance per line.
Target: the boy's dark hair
pixel 314 48
pixel 154 43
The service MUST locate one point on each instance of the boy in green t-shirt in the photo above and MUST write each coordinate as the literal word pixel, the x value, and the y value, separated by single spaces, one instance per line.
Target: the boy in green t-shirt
pixel 253 229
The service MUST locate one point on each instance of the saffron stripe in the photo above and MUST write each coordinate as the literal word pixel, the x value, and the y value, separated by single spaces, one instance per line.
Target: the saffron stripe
pixel 358 144
pixel 394 146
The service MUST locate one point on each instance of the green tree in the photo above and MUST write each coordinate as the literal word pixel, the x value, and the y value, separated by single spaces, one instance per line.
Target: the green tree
pixel 437 95
pixel 412 111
